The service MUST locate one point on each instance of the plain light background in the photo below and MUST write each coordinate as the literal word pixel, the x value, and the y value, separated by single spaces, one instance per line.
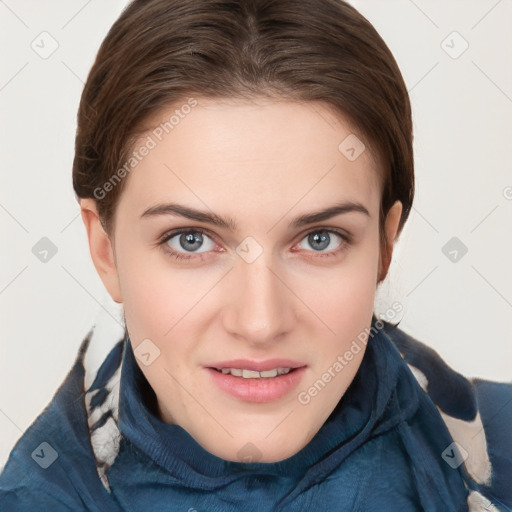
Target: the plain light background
pixel 462 105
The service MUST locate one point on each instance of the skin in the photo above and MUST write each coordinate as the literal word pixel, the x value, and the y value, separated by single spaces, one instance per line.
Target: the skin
pixel 261 163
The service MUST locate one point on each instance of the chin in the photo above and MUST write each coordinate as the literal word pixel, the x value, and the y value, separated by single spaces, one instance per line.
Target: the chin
pixel 254 449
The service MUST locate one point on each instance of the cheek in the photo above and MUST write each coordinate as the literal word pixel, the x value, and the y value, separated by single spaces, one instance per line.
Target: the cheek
pixel 343 296
pixel 160 300
pixel 355 275
pixel 144 307
pixel 149 294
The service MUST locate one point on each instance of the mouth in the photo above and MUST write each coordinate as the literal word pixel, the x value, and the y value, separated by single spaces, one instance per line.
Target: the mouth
pixel 253 374
pixel 279 364
pixel 260 382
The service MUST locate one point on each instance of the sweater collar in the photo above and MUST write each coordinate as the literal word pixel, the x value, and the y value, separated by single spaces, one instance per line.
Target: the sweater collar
pixel 361 412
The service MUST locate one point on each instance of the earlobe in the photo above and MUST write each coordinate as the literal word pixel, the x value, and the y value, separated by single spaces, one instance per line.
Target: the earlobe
pixel 391 229
pixel 101 249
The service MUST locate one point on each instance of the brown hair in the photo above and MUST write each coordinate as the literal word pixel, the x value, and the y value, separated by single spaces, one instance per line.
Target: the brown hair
pixel 160 52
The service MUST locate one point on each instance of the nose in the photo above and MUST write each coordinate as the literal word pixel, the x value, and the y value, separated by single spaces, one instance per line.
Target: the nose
pixel 261 309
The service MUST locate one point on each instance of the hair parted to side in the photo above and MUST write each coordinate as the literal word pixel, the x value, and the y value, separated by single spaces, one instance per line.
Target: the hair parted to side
pixel 162 52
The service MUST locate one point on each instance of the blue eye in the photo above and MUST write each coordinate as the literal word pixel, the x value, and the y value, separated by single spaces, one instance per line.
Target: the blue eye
pixel 188 244
pixel 323 240
pixel 191 241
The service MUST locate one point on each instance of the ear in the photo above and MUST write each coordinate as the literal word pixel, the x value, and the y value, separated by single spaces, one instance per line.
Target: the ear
pixel 391 229
pixel 101 248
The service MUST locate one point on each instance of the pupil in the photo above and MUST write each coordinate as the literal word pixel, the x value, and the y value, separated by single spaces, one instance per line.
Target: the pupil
pixel 191 241
pixel 319 240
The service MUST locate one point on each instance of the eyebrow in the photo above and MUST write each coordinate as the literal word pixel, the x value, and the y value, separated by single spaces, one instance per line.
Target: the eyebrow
pixel 228 223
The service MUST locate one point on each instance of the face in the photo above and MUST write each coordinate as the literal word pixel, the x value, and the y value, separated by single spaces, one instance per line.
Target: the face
pixel 246 251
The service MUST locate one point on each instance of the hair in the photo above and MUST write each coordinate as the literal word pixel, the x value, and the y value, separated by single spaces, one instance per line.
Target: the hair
pixel 161 52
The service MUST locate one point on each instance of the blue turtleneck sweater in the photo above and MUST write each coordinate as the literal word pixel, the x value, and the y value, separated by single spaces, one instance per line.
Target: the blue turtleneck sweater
pixel 382 449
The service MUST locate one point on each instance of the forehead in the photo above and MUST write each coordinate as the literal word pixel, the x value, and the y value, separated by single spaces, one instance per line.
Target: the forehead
pixel 255 154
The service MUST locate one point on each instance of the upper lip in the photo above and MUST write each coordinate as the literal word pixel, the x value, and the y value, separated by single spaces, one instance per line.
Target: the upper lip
pixel 257 366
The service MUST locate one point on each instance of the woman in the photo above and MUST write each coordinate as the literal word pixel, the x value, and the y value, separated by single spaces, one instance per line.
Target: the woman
pixel 243 170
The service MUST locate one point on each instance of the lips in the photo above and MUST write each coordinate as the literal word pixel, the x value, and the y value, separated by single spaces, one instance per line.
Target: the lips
pixel 257 366
pixel 257 381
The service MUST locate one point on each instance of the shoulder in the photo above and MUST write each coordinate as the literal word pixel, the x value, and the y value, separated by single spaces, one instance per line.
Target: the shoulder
pixel 476 412
pixel 52 466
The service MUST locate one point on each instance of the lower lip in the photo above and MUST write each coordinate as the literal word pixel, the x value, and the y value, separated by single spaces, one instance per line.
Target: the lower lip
pixel 257 390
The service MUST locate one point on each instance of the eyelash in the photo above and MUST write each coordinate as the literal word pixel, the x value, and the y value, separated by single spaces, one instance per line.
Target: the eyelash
pixel 346 241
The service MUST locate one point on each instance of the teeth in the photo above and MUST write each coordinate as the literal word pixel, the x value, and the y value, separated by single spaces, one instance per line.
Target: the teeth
pixel 251 374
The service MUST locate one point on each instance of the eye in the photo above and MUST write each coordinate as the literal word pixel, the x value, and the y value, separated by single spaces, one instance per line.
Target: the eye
pixel 323 241
pixel 186 242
